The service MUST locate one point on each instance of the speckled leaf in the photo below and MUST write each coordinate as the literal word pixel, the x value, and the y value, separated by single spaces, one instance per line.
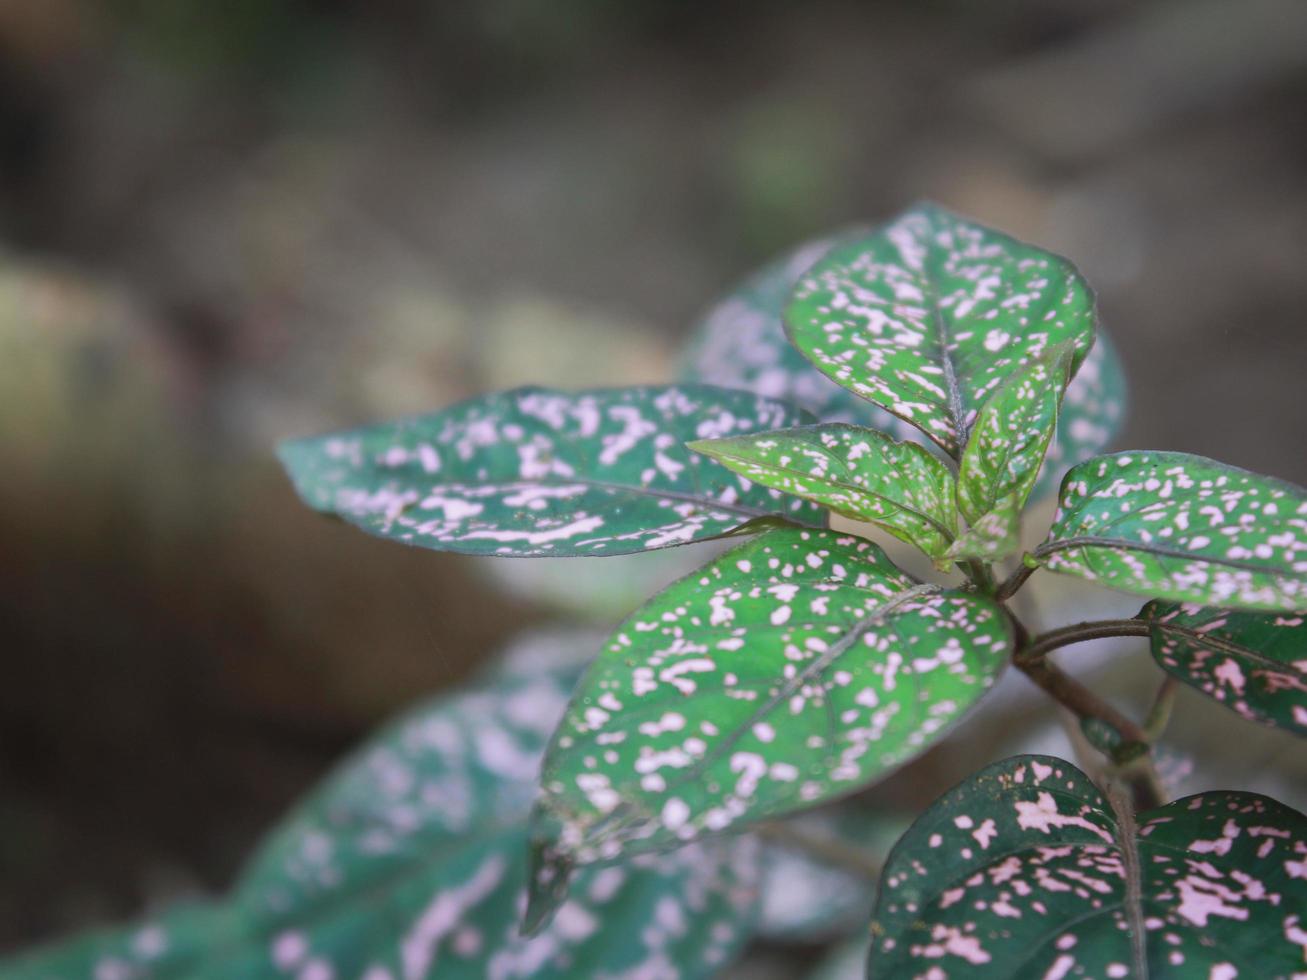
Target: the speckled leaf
pixel 410 864
pixel 741 343
pixel 797 667
pixel 930 314
pixel 1181 527
pixel 992 538
pixel 413 861
pixel 1093 411
pixel 176 943
pixel 1253 663
pixel 860 473
pixel 1006 449
pixel 538 472
pixel 1026 870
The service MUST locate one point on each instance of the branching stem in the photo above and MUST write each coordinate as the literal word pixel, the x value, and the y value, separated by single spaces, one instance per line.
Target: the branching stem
pixel 1014 582
pixel 1082 702
pixel 1101 629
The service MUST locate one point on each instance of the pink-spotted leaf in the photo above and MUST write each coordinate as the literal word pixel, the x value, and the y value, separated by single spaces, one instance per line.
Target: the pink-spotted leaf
pixel 410 863
pixel 795 668
pixel 859 473
pixel 177 943
pixel 741 343
pixel 536 472
pixel 1006 449
pixel 1026 870
pixel 1180 527
pixel 1253 663
pixel 930 314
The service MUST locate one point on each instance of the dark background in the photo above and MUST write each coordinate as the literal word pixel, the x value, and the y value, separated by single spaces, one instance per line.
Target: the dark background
pixel 226 223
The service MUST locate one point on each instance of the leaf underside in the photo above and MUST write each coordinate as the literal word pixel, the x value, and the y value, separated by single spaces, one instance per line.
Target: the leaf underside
pixel 1181 527
pixel 536 472
pixel 793 669
pixel 1255 664
pixel 1025 870
pixel 930 314
pixel 859 473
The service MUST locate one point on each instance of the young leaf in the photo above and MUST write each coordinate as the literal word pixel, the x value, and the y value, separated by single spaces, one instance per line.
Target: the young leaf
pixel 859 473
pixel 993 537
pixel 1025 870
pixel 1182 527
pixel 1092 413
pixel 795 668
pixel 1253 663
pixel 930 314
pixel 538 472
pixel 1006 449
pixel 741 343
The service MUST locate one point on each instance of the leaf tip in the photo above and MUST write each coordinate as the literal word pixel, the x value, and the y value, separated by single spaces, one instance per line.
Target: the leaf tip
pixel 549 873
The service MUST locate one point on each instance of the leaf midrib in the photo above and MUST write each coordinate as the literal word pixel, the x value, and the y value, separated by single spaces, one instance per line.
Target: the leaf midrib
pixel 1122 544
pixel 1230 647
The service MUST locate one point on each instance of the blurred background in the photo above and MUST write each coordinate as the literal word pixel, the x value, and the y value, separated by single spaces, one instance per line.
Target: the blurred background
pixel 225 224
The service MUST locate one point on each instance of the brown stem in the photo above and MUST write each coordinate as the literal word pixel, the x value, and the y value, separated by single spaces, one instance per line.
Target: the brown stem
pixel 1013 582
pixel 1067 691
pixel 1046 643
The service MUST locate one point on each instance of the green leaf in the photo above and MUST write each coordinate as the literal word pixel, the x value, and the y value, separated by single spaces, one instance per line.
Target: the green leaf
pixel 860 473
pixel 178 942
pixel 1182 527
pixel 1026 870
pixel 1006 449
pixel 1093 410
pixel 930 314
pixel 741 343
pixel 410 862
pixel 795 668
pixel 414 859
pixel 538 472
pixel 992 538
pixel 1253 663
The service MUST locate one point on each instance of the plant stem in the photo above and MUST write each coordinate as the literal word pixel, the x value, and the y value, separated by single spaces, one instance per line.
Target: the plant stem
pixel 826 850
pixel 1159 715
pixel 1083 702
pixel 1046 643
pixel 1145 785
pixel 1014 582
pixel 980 574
